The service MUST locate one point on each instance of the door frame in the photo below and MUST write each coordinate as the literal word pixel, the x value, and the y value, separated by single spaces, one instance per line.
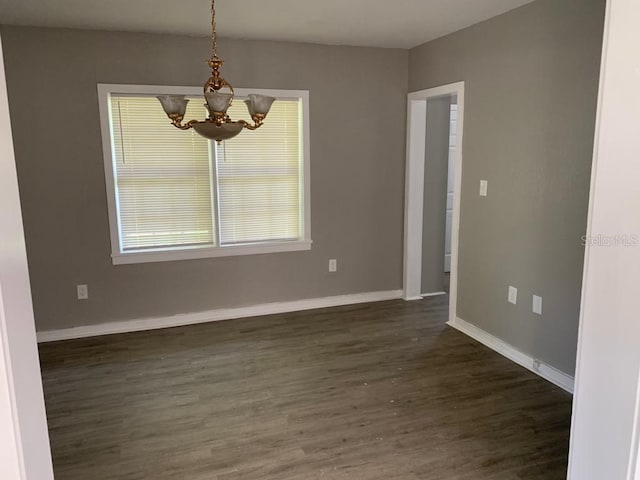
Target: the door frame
pixel 25 453
pixel 414 190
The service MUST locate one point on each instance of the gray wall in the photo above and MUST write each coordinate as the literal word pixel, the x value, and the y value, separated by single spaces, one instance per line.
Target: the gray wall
pixel 357 168
pixel 531 87
pixel 434 213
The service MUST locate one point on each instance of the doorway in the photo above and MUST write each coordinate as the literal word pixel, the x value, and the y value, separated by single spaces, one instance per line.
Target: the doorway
pixel 437 211
pixel 435 119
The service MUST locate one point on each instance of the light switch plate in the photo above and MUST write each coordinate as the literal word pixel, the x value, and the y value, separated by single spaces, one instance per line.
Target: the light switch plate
pixel 333 265
pixel 537 304
pixel 484 186
pixel 513 295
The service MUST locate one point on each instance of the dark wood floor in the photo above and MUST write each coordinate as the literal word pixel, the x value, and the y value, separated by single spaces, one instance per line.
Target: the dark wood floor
pixel 371 392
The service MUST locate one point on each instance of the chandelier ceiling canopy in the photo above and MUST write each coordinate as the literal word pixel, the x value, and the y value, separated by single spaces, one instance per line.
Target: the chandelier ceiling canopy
pixel 219 95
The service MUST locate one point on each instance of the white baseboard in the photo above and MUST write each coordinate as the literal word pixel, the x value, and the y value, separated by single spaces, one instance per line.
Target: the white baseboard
pixel 434 294
pixel 547 372
pixel 213 316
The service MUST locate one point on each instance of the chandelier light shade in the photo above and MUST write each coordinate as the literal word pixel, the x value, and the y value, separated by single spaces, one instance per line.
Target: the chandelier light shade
pixel 218 94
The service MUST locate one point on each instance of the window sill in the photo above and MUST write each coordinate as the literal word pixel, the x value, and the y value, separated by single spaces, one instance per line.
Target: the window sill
pixel 209 252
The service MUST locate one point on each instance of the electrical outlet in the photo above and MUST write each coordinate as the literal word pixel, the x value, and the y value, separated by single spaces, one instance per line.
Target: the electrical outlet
pixel 333 265
pixel 536 366
pixel 513 295
pixel 537 305
pixel 83 292
pixel 484 186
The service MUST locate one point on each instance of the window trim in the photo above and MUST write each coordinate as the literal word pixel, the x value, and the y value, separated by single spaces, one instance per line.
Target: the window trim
pixel 119 257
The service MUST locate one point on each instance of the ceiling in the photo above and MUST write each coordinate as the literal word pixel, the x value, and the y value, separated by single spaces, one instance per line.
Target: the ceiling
pixel 376 23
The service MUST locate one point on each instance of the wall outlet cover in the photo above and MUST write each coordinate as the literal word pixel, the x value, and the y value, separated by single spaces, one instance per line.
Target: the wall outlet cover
pixel 333 265
pixel 536 365
pixel 83 292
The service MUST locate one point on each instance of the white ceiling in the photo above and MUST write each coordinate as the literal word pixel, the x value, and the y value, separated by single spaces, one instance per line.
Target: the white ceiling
pixel 378 23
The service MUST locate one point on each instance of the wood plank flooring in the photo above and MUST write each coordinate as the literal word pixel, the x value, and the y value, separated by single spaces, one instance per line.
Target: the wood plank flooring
pixel 380 391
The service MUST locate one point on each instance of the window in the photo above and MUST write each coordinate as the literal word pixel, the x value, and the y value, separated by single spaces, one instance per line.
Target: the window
pixel 175 195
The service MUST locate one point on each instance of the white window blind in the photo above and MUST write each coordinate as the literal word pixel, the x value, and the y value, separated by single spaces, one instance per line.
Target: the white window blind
pixel 259 175
pixel 163 177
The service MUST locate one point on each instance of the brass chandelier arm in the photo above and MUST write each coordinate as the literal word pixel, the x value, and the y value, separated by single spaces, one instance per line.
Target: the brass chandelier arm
pixel 181 126
pixel 176 121
pixel 258 119
pixel 186 126
pixel 249 126
pixel 256 125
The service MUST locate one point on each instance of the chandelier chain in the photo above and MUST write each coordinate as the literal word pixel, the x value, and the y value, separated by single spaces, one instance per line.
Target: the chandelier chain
pixel 214 35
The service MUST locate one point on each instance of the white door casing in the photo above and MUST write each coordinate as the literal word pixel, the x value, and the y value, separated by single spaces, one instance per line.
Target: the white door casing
pixel 414 190
pixel 605 430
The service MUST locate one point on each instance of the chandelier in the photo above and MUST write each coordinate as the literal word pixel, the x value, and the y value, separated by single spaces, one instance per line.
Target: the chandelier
pixel 218 94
